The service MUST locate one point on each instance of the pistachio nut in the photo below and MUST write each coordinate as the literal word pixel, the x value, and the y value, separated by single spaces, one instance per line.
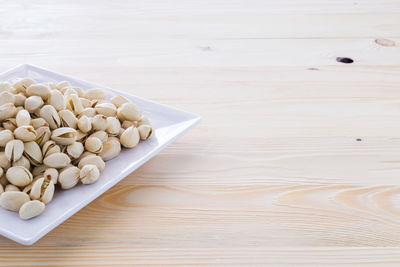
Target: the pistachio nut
pixel 10 124
pixel 145 131
pixel 102 135
pixel 75 150
pixel 64 136
pixel 126 124
pixel 89 112
pixel 19 99
pixel 81 136
pixel 33 153
pixel 5 137
pixel 69 177
pixel 74 104
pixel 99 122
pixel 7 97
pixel 89 174
pixel 23 118
pixel 68 119
pixel 94 145
pixel 23 161
pixel 5 86
pixel 130 137
pixel 39 170
pixel 49 148
pixel 57 160
pixel 84 124
pixel 129 111
pixel 25 133
pixel 7 111
pixel 42 190
pixel 92 159
pixel 63 84
pixel 86 103
pixel 95 93
pixel 39 122
pixel 50 114
pixel 11 187
pixel 118 100
pixel 38 89
pixel 113 126
pixel 31 209
pixel 33 103
pixel 19 176
pixel 14 150
pixel 111 149
pixel 43 135
pixel 13 200
pixel 56 99
pixel 4 162
pixel 106 109
pixel 22 84
pixel 51 174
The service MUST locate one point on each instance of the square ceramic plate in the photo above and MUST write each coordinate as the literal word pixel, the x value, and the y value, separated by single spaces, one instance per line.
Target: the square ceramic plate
pixel 169 124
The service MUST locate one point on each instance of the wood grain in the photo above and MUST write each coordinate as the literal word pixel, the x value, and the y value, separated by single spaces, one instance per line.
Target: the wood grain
pixel 296 162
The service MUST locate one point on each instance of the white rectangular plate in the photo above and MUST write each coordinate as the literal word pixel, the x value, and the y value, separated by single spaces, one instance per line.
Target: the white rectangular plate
pixel 169 124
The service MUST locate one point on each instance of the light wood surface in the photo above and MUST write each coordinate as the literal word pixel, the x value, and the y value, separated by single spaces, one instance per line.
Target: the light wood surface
pixel 274 174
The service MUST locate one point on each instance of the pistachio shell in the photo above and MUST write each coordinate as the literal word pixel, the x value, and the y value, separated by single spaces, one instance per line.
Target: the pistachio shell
pixel 42 190
pixel 145 131
pixel 22 84
pixel 89 174
pixel 57 160
pixel 11 187
pixel 1 189
pixel 5 86
pixel 86 103
pixel 5 137
pixel 64 136
pixel 33 103
pixel 10 124
pixel 19 176
pixel 49 113
pixel 25 133
pixel 118 100
pixel 7 111
pixel 51 85
pixel 39 122
pixel 7 97
pixel 14 150
pixel 49 148
pixel 81 136
pixel 56 99
pixel 80 91
pixel 94 145
pixel 24 162
pixel 41 90
pixel 51 174
pixel 39 170
pixel 130 137
pixel 92 159
pixel 84 124
pixel 13 200
pixel 69 177
pixel 75 150
pixel 68 119
pixel 74 104
pixel 106 109
pixel 31 209
pixel 43 135
pixel 62 84
pixel 113 126
pixel 96 102
pixel 4 162
pixel 33 153
pixel 99 122
pixel 23 118
pixel 19 99
pixel 89 112
pixel 70 91
pixel 1 171
pixel 126 124
pixel 102 135
pixel 111 149
pixel 95 93
pixel 129 111
pixel 3 180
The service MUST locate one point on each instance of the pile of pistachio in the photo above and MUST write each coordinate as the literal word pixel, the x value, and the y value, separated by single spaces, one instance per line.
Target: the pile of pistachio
pixel 57 134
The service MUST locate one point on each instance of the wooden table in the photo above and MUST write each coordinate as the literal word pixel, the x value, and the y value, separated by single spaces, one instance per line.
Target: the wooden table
pixel 297 160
